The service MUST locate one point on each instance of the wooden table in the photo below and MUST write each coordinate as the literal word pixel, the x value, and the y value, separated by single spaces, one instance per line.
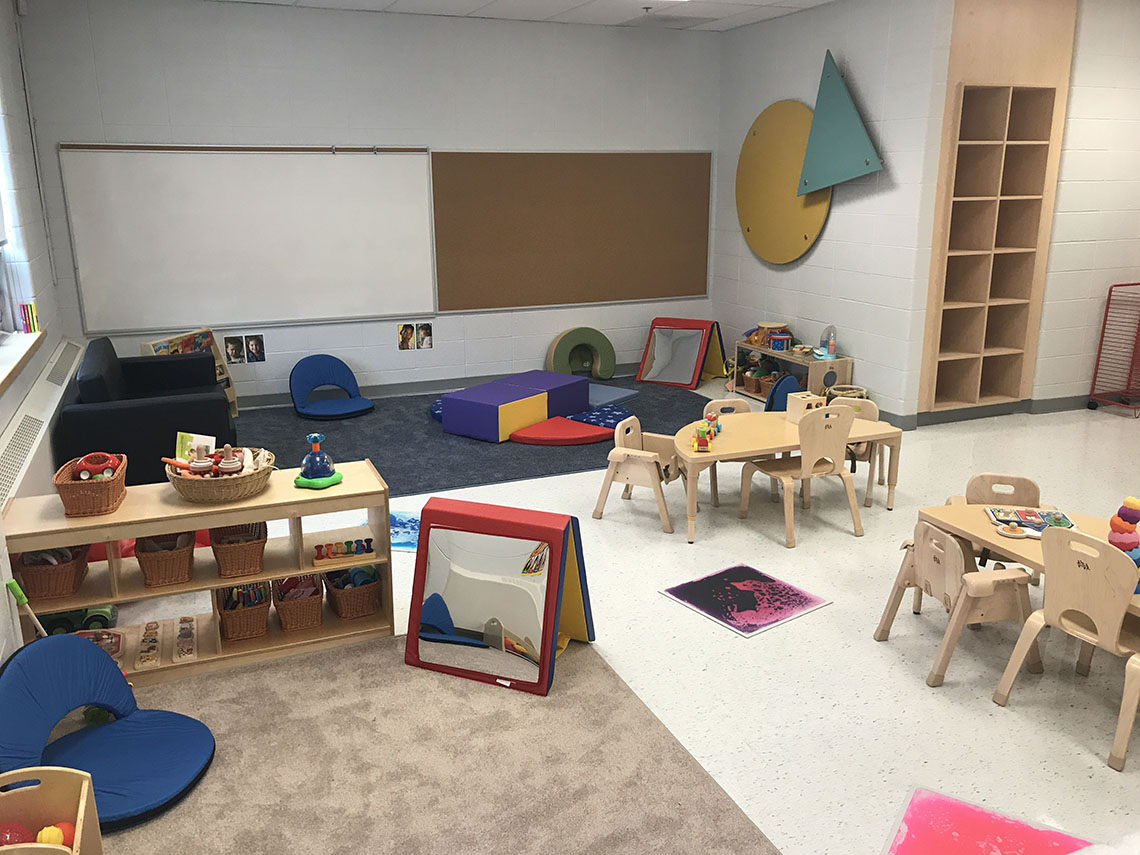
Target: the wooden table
pixel 973 523
pixel 747 436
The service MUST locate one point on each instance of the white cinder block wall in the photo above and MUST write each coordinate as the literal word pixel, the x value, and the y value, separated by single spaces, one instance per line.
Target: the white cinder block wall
pixel 1096 227
pixel 868 272
pixel 193 71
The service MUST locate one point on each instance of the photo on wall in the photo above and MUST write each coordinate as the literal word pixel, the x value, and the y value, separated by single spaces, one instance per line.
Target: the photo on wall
pixel 423 336
pixel 406 336
pixel 255 348
pixel 234 346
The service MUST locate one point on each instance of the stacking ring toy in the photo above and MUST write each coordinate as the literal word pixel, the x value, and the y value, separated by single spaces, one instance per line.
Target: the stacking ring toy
pixel 1121 526
pixel 1126 541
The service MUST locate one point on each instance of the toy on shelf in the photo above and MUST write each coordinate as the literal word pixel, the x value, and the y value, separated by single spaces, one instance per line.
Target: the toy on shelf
pixel 356 577
pixel 229 464
pixel 109 642
pixel 826 348
pixel 761 335
pixel 185 644
pixel 150 646
pixel 317 470
pixel 342 549
pixel 97 464
pixel 202 464
pixel 1122 531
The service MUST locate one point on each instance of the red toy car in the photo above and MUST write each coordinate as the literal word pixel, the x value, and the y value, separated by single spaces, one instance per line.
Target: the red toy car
pixel 97 464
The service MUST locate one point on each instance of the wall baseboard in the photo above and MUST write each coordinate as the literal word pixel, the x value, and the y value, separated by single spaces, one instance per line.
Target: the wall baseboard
pixel 1033 406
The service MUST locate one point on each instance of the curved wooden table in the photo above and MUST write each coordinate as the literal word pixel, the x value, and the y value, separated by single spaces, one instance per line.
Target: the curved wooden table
pixel 972 523
pixel 746 436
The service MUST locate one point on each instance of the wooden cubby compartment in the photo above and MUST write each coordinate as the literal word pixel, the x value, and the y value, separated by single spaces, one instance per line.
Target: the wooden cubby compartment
pixel 978 170
pixel 967 279
pixel 1012 276
pixel 1001 378
pixel 1018 222
pixel 1024 173
pixel 1006 326
pixel 1031 113
pixel 972 225
pixel 984 113
pixel 957 384
pixel 962 332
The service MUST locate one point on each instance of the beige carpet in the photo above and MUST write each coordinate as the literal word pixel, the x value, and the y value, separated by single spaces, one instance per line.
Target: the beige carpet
pixel 351 751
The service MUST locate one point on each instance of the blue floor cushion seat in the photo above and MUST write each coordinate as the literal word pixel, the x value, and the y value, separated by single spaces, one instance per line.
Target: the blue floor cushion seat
pixel 316 371
pixel 140 764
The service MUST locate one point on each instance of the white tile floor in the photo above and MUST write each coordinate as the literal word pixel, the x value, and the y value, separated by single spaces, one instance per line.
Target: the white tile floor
pixel 816 730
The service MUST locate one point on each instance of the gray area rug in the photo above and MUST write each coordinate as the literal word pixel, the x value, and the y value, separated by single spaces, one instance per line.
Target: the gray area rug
pixel 415 456
pixel 352 751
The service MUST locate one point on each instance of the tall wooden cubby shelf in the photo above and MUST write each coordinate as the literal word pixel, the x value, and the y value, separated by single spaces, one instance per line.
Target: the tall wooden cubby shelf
pixel 1006 95
pixel 38 522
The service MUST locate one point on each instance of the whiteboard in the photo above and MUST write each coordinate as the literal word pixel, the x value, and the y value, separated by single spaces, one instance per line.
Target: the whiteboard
pixel 224 237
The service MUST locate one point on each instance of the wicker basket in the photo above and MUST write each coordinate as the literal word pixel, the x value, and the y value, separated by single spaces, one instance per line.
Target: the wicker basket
pixel 216 491
pixel 168 566
pixel 349 603
pixel 246 622
pixel 749 383
pixel 44 581
pixel 305 613
pixel 92 497
pixel 239 559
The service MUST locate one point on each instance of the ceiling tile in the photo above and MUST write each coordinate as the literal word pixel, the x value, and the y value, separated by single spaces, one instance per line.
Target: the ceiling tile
pixel 366 5
pixel 525 10
pixel 436 7
pixel 704 9
pixel 761 13
pixel 611 12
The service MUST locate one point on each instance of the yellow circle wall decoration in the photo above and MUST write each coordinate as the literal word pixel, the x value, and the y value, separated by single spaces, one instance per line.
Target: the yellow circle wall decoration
pixel 779 225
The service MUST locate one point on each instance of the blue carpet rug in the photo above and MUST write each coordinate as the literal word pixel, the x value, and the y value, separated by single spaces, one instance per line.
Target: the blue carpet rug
pixel 414 455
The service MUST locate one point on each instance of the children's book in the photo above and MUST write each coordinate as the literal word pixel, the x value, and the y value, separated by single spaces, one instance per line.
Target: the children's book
pixel 185 443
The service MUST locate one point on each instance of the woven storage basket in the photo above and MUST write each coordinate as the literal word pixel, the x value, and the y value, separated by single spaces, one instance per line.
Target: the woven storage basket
pixel 216 491
pixel 93 497
pixel 239 559
pixel 247 622
pixel 353 602
pixel 44 581
pixel 169 566
pixel 305 613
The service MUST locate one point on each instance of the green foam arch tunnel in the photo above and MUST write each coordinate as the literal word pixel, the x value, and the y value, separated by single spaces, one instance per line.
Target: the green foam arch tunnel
pixel 584 351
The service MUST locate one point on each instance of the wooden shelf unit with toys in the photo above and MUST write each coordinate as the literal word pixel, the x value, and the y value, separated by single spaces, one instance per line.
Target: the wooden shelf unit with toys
pixel 819 374
pixel 38 523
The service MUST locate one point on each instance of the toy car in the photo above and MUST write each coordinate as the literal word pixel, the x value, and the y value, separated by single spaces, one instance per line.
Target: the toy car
pixel 99 617
pixel 97 464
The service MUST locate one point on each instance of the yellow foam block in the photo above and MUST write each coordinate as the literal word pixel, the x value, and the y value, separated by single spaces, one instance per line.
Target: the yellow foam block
pixel 521 413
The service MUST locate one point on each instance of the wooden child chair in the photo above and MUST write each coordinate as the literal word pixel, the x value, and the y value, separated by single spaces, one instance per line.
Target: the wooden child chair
pixel 723 406
pixel 823 445
pixel 643 460
pixel 870 452
pixel 990 488
pixel 943 566
pixel 1089 591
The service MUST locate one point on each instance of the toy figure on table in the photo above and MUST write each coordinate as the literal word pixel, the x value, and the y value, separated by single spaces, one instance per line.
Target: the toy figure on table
pixel 317 471
pixel 1122 531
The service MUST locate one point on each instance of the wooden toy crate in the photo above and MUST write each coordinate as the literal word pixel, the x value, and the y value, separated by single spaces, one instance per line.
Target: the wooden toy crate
pixel 44 581
pixel 62 795
pixel 94 497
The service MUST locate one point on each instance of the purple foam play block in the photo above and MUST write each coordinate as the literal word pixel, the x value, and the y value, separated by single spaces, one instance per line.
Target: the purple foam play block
pixel 474 411
pixel 566 394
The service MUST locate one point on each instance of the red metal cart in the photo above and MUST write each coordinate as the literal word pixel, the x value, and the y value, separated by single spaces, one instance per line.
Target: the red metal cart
pixel 1116 377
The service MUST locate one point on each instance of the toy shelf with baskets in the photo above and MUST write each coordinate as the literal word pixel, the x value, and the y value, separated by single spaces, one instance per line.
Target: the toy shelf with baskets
pixel 38 523
pixel 819 373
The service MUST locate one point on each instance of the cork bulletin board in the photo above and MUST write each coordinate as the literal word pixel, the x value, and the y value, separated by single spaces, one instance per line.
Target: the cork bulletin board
pixel 538 229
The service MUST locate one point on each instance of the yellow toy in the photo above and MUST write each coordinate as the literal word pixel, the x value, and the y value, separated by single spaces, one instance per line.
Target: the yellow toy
pixel 50 834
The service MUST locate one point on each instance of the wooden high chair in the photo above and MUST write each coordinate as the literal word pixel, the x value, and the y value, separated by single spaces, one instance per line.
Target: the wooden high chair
pixel 640 459
pixel 823 446
pixel 1089 591
pixel 870 452
pixel 722 406
pixel 943 566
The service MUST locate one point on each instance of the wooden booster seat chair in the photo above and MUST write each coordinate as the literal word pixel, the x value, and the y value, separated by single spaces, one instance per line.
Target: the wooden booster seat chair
pixel 991 488
pixel 723 406
pixel 871 453
pixel 1089 591
pixel 943 566
pixel 140 764
pixel 823 445
pixel 640 459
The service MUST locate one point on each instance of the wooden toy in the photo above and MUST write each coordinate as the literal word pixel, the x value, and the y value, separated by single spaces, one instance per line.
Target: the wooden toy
pixel 823 437
pixel 702 439
pixel 229 464
pixel 943 565
pixel 763 332
pixel 186 643
pixel 359 549
pixel 97 464
pixel 800 403
pixel 320 552
pixel 202 464
pixel 367 544
pixel 317 470
pixel 643 460
pixel 1089 593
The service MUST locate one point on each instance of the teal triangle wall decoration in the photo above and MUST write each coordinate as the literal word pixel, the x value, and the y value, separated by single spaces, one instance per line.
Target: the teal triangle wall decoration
pixel 838 147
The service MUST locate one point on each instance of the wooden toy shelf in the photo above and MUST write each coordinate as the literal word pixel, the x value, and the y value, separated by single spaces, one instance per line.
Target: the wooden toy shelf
pixel 38 522
pixel 987 276
pixel 817 369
